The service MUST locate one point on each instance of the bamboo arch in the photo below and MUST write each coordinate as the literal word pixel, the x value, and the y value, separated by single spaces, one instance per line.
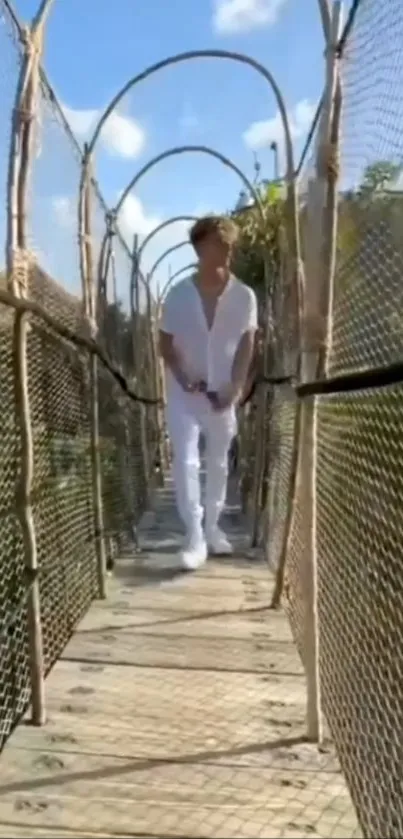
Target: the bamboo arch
pixel 163 256
pixel 162 226
pixel 190 55
pixel 178 58
pixel 179 150
pixel 174 152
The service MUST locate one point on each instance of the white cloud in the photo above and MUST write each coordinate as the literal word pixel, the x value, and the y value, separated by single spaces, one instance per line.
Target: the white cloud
pixel 233 16
pixel 121 135
pixel 133 218
pixel 261 134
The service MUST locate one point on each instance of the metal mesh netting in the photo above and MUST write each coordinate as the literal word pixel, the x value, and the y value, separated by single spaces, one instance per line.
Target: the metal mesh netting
pixel 60 401
pixel 14 666
pixel 127 429
pixel 281 427
pixel 281 436
pixel 368 297
pixel 360 528
pixel 53 194
pixel 360 453
pixel 62 490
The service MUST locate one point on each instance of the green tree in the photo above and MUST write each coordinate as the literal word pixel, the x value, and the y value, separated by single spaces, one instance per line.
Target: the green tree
pixel 259 238
pixel 378 176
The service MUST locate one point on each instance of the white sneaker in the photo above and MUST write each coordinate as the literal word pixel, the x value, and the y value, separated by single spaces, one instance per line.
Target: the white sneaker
pixel 194 555
pixel 218 543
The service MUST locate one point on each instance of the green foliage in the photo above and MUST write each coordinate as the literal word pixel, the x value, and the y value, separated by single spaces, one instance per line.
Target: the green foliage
pixel 259 236
pixel 378 176
pixel 369 223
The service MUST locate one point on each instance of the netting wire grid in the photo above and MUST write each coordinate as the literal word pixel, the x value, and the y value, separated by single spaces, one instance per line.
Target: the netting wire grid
pixel 359 482
pixel 60 403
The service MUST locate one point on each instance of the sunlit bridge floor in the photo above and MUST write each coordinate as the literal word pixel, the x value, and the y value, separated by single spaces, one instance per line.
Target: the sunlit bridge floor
pixel 177 710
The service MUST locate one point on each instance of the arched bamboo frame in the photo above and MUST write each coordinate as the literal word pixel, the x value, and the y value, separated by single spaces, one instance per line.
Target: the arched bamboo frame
pixel 164 255
pixel 176 151
pixel 178 58
pixel 162 226
pixel 190 55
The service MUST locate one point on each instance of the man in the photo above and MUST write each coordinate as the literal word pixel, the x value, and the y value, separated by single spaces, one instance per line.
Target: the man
pixel 206 342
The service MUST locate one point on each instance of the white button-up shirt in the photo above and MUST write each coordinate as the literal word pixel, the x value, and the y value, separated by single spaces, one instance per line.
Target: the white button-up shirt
pixel 208 354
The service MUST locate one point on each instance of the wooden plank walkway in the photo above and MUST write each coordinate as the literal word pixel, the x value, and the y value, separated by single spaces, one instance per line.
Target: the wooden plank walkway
pixel 177 710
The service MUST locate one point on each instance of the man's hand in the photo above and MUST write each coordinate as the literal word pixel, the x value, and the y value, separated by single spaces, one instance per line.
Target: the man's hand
pixel 173 361
pixel 223 399
pixel 185 383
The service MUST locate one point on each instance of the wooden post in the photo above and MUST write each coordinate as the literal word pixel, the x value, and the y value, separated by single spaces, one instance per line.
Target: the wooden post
pixel 89 297
pixel 316 320
pixel 154 360
pixel 260 423
pixel 137 356
pixel 18 268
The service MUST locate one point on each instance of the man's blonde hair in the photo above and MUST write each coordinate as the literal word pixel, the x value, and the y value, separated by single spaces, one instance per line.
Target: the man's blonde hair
pixel 221 226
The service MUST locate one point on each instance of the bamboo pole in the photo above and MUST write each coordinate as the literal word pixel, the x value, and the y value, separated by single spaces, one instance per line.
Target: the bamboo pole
pixel 136 339
pixel 124 441
pixel 316 322
pixel 314 338
pixel 18 267
pixel 162 226
pixel 317 303
pixel 154 358
pixel 89 298
pixel 260 447
pixel 303 319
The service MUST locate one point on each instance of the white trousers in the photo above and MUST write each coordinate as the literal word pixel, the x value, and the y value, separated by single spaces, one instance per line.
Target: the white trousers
pixel 188 416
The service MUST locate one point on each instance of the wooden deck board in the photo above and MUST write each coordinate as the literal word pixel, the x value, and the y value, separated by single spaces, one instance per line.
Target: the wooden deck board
pixel 177 710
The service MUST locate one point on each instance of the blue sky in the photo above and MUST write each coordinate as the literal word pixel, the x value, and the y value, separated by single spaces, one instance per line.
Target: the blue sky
pixel 94 46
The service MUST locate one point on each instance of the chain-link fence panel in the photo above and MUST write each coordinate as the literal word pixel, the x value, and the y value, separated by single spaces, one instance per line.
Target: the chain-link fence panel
pixel 14 660
pixel 127 430
pixel 124 478
pixel 360 534
pixel 60 397
pixel 281 441
pixel 62 489
pixel 359 467
pixel 368 297
pixel 59 385
pixel 53 217
pixel 14 663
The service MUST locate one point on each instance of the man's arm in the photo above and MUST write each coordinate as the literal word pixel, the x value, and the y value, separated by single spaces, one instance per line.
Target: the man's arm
pixel 242 363
pixel 243 357
pixel 171 359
